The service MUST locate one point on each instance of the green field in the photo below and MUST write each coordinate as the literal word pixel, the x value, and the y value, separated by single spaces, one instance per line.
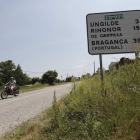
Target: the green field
pixel 88 113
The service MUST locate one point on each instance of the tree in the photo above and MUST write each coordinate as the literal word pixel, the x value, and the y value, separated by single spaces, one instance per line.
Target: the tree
pixel 6 70
pixel 88 75
pixel 27 79
pixel 35 79
pixel 21 78
pixel 49 77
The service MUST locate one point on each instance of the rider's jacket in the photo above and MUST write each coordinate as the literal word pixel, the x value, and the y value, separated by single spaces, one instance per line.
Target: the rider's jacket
pixel 11 83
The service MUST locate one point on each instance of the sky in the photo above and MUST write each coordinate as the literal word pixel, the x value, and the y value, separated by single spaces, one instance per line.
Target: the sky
pixel 43 35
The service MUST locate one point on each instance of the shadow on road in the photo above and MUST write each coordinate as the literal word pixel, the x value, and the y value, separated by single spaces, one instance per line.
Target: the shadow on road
pixel 6 98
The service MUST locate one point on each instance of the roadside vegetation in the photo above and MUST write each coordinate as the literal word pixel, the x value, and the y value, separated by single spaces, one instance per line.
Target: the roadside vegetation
pixel 90 112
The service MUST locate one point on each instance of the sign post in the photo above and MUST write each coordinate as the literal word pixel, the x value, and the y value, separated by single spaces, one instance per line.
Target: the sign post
pixel 101 72
pixel 101 67
pixel 113 33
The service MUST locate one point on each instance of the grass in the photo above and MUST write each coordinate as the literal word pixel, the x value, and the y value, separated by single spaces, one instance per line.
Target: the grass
pixel 88 113
pixel 36 86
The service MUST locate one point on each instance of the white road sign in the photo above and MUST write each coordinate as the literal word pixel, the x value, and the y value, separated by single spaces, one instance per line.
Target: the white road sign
pixel 113 32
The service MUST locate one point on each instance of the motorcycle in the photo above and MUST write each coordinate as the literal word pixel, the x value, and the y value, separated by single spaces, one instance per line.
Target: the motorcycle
pixel 7 91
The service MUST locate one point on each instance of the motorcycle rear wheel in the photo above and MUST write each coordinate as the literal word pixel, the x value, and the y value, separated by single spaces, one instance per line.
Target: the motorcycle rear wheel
pixel 4 95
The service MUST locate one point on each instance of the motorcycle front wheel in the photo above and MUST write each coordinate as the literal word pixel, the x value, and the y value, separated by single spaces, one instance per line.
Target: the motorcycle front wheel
pixel 4 95
pixel 16 92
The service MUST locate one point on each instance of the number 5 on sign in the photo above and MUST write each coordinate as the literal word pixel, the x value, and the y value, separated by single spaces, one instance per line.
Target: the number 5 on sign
pixel 136 27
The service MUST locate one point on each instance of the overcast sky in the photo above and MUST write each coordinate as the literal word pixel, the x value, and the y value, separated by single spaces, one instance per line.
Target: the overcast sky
pixel 43 35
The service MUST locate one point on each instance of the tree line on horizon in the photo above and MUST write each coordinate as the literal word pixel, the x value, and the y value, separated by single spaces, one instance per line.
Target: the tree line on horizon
pixel 9 69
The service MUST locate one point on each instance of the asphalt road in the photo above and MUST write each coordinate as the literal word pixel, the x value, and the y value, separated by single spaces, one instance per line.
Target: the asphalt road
pixel 15 110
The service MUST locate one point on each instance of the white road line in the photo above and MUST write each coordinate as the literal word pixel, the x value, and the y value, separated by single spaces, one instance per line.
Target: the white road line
pixel 27 96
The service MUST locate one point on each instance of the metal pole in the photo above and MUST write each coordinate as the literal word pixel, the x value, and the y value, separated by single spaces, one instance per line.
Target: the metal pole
pixel 101 73
pixel 101 67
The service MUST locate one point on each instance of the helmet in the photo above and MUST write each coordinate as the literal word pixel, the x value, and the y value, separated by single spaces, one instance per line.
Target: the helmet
pixel 11 77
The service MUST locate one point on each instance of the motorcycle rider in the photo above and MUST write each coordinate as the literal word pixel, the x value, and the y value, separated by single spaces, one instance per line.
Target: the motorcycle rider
pixel 11 83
